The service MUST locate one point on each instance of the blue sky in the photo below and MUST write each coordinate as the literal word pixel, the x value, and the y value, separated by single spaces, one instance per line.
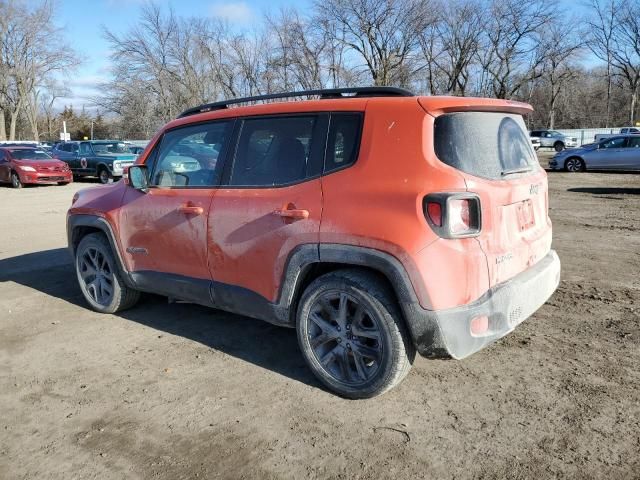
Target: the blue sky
pixel 83 21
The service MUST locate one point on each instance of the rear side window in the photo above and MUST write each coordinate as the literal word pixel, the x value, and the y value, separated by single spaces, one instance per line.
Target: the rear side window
pixel 273 151
pixel 485 144
pixel 343 143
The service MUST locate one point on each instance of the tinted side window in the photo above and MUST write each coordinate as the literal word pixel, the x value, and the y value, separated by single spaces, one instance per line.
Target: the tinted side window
pixel 634 142
pixel 614 143
pixel 188 157
pixel 85 149
pixel 273 151
pixel 343 143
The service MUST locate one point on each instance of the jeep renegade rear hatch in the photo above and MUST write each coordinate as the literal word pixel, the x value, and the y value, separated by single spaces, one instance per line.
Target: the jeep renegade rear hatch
pixel 493 152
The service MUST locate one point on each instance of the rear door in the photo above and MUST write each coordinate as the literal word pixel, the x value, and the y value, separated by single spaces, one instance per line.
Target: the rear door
pixel 271 204
pixel 609 155
pixel 494 154
pixel 164 232
pixel 631 160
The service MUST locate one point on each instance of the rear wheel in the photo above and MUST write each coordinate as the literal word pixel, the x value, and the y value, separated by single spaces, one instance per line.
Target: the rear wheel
pixel 15 180
pixel 352 335
pixel 98 276
pixel 104 176
pixel 558 146
pixel 574 164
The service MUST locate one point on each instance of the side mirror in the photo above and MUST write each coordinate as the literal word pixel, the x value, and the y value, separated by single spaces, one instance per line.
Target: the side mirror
pixel 138 177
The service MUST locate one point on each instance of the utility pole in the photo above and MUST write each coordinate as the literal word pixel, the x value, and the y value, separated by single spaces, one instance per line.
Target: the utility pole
pixel 91 129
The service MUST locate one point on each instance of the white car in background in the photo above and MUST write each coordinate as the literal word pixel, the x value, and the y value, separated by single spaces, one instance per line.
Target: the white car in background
pixel 553 139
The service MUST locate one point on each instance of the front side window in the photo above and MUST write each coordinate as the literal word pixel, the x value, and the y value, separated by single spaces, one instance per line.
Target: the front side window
pixel 614 143
pixel 110 147
pixel 85 149
pixel 273 151
pixel 188 156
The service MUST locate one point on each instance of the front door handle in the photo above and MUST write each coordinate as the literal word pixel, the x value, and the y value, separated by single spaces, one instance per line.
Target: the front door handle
pixel 190 209
pixel 291 213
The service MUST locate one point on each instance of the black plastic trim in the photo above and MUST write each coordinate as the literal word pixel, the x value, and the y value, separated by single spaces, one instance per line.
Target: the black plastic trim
pixel 444 199
pixel 80 220
pixel 332 93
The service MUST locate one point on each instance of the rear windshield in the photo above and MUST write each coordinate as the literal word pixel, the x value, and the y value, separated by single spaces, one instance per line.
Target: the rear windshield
pixel 485 144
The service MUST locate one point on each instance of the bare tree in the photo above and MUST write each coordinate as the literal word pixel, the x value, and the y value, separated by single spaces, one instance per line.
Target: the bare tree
pixel 509 56
pixel 450 45
pixel 32 51
pixel 384 33
pixel 601 24
pixel 625 56
pixel 560 46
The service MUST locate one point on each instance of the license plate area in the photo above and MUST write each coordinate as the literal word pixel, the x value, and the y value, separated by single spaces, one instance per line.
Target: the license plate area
pixel 526 217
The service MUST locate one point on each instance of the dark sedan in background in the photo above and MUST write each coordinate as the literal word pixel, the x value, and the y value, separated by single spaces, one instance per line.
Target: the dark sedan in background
pixel 616 153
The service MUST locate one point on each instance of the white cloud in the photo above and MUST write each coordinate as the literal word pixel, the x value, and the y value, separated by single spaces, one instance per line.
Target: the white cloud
pixel 235 12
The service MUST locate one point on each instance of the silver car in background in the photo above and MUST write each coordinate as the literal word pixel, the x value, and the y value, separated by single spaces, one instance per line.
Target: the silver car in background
pixel 552 139
pixel 616 153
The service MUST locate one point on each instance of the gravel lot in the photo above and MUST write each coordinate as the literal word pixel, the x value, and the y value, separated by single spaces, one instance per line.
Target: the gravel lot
pixel 179 391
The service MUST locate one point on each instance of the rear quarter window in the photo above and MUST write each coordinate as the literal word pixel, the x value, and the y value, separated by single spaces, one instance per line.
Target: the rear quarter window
pixel 484 144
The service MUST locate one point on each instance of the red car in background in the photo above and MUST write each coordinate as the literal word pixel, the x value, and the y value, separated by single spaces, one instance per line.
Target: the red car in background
pixel 23 165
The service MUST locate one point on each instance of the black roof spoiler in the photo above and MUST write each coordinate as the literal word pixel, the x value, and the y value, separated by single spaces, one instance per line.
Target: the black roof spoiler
pixel 330 93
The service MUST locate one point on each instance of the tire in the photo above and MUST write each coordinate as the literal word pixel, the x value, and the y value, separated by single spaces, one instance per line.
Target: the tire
pixel 359 354
pixel 15 180
pixel 104 176
pixel 109 294
pixel 558 146
pixel 574 164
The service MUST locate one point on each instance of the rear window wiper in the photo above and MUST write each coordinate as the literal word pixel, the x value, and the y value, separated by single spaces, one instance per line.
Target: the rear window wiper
pixel 512 171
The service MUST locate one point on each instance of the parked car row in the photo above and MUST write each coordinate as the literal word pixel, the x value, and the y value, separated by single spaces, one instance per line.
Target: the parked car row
pixel 32 163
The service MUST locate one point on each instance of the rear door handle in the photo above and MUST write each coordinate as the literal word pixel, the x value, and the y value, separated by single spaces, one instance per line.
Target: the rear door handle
pixel 289 212
pixel 190 209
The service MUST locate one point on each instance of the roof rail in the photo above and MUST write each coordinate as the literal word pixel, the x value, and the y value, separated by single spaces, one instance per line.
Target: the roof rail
pixel 322 93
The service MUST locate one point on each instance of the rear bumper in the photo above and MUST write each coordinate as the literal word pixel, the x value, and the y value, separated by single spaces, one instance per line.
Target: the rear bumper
pixel 447 333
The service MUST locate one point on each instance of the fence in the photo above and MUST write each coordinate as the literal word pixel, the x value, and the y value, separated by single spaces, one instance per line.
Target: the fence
pixel 587 135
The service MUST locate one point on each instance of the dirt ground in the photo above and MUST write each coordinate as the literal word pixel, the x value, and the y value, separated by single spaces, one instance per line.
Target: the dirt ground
pixel 179 391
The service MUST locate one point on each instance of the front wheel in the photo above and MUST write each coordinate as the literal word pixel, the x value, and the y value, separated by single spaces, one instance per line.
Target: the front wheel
pixel 98 276
pixel 104 176
pixel 15 180
pixel 558 146
pixel 352 334
pixel 574 165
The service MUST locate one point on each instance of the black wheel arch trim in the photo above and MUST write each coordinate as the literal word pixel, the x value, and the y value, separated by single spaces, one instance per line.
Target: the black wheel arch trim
pixel 76 221
pixel 423 330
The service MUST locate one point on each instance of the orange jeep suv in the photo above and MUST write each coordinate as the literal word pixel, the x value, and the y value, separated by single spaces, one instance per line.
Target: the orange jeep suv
pixel 376 222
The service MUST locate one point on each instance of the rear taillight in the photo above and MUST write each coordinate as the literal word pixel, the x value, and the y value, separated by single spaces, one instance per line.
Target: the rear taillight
pixel 434 211
pixel 453 215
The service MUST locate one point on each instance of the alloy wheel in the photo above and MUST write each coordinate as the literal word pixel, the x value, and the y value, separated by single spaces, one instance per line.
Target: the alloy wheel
pixel 345 338
pixel 97 275
pixel 573 165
